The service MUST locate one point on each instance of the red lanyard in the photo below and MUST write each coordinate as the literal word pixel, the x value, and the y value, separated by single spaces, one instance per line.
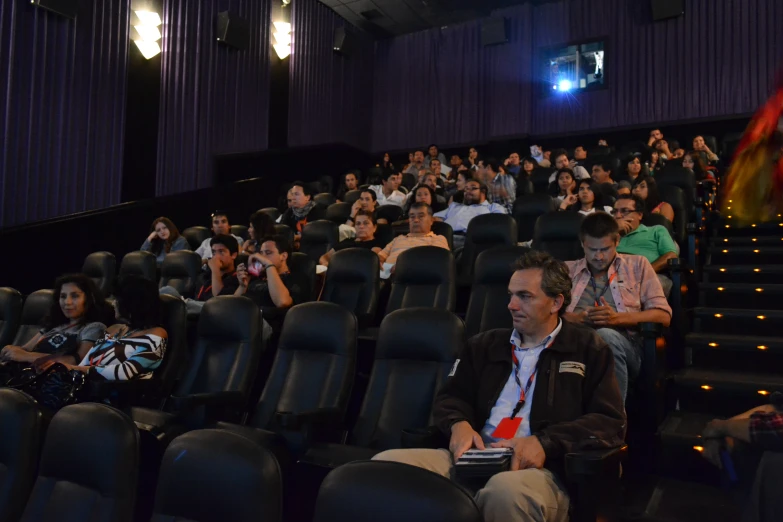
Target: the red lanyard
pixel 595 290
pixel 523 391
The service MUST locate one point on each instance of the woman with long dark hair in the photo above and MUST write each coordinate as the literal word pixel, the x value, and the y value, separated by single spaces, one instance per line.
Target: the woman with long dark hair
pixel 589 199
pixel 693 160
pixel 261 226
pixel 529 165
pixel 563 186
pixel 163 239
pixel 386 163
pixel 76 320
pixel 646 188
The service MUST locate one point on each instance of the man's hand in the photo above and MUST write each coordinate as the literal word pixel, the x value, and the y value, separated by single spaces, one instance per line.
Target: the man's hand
pixel 569 200
pixel 576 317
pixel 356 207
pixel 265 262
pixel 625 226
pixel 463 438
pixel 711 452
pixel 603 315
pixel 528 452
pixel 214 264
pixel 242 276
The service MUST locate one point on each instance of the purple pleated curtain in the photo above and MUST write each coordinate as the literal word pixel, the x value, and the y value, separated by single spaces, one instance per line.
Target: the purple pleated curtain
pixel 62 108
pixel 330 96
pixel 214 99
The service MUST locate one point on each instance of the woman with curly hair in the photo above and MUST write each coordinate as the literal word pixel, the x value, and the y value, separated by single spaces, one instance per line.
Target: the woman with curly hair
pixel 163 239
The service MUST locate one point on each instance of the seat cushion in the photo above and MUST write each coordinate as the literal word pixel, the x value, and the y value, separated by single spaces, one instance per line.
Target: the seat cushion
pixel 335 455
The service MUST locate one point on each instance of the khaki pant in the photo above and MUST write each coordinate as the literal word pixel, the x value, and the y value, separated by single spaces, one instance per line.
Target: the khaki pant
pixel 526 495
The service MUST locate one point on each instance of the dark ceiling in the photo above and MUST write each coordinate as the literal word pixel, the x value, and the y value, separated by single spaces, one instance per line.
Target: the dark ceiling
pixel 386 18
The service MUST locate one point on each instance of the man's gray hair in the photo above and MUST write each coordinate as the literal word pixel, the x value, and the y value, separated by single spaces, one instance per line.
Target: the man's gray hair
pixel 555 277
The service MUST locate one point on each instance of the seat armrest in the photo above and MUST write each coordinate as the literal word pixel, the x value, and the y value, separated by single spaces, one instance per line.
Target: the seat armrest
pixel 591 463
pixel 287 420
pixel 206 399
pixel 675 264
pixel 651 330
pixel 429 438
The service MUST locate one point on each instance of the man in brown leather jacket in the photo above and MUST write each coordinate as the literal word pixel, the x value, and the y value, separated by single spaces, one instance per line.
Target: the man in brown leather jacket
pixel 544 388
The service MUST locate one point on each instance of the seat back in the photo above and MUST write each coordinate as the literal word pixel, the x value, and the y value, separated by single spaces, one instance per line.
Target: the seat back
pixel 285 231
pixel 352 196
pixel 379 491
pixel 540 179
pixel 385 233
pixel 272 212
pixel 10 314
pixel 139 263
pixel 318 237
pixel 314 364
pixel 650 220
pixel 325 199
pixel 486 231
pixel 300 263
pixel 180 270
pixel 678 176
pixel 526 211
pixel 338 212
pixel 390 213
pixel 353 282
pixel 215 476
pixel 241 231
pixel 35 309
pixel 20 445
pixel 196 236
pixel 558 234
pixel 442 228
pixel 676 197
pixel 416 350
pixel 423 277
pixel 227 348
pixel 488 304
pixel 409 180
pixel 174 321
pixel 101 267
pixel 98 485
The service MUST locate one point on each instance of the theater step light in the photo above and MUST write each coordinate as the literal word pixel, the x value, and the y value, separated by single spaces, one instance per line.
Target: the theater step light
pixel 148 33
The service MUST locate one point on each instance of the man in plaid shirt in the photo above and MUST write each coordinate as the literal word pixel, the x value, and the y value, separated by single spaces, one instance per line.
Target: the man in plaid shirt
pixel 502 187
pixel 762 427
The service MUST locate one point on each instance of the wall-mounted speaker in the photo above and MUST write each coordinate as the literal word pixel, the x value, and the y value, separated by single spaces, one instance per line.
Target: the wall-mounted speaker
pixel 233 30
pixel 343 42
pixel 65 8
pixel 665 9
pixel 493 31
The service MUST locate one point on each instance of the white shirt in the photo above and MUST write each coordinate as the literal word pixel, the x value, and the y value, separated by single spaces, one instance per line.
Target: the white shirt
pixel 205 249
pixel 396 197
pixel 459 215
pixel 606 209
pixel 579 173
pixel 528 359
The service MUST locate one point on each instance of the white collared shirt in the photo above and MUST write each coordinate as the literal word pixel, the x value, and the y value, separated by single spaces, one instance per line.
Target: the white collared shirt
pixel 396 197
pixel 508 398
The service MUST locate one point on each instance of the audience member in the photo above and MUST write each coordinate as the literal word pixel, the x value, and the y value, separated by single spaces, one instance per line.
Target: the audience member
pixel 420 223
pixel 662 146
pixel 654 243
pixel 456 164
pixel 134 346
pixel 386 163
pixel 646 188
pixel 425 194
pixel 349 182
pixel 439 169
pixel 368 201
pixel 602 143
pixel 562 162
pixel 602 173
pixel 456 192
pixel 76 320
pixel 475 203
pixel 473 159
pixel 656 163
pixel 432 153
pixel 502 189
pixel 303 210
pixel 528 165
pixel 513 164
pixel 588 199
pixel 164 238
pixel 417 164
pixel 220 226
pixel 563 186
pixel 655 135
pixel 580 155
pixel 678 153
pixel 695 162
pixel 387 193
pixel 496 397
pixel 538 155
pixel 275 288
pixel 634 168
pixel 365 225
pixel 613 293
pixel 623 188
pixel 261 225
pixel 701 146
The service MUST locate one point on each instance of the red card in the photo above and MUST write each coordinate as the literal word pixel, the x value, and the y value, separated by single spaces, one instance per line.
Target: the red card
pixel 507 429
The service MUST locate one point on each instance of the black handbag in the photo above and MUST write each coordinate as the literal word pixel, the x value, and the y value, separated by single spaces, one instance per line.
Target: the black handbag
pixel 53 388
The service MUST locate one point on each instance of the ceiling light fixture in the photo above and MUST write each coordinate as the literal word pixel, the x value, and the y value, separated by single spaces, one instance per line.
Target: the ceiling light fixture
pixel 148 33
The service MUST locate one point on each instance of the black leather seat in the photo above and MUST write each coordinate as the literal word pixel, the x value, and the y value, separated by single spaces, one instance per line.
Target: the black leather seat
pixel 377 491
pixel 675 197
pixel 318 237
pixel 485 231
pixel 272 212
pixel 35 309
pixel 339 212
pixel 558 234
pixel 540 179
pixel 180 270
pixel 488 305
pixel 524 186
pixel 310 381
pixel 20 445
pixel 241 231
pixel 97 485
pixel 216 476
pixel 650 220
pixel 384 233
pixel 416 350
pixel 442 228
pixel 353 282
pixel 352 196
pixel 10 314
pixel 285 231
pixel 526 211
pixel 222 367
pixel 101 267
pixel 325 199
pixel 390 213
pixel 423 277
pixel 679 176
pixel 139 263
pixel 303 264
pixel 196 236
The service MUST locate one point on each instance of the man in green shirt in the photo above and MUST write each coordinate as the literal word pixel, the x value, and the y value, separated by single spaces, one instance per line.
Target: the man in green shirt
pixel 655 243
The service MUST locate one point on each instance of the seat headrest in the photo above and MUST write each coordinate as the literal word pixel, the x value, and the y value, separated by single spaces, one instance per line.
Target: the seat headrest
pixel 37 305
pixel 355 491
pixel 352 196
pixel 421 334
pixel 328 327
pixel 100 264
pixel 272 212
pixel 424 265
pixel 321 231
pixel 10 303
pixel 285 231
pixel 554 226
pixel 114 447
pixel 492 228
pixel 20 418
pixel 494 266
pixel 139 263
pixel 324 198
pixel 301 264
pixel 229 318
pixel 354 265
pixel 676 175
pixel 338 212
pixel 182 263
pixel 674 196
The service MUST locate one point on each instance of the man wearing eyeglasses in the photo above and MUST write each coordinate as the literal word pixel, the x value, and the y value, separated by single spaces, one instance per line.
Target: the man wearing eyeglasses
pixel 475 203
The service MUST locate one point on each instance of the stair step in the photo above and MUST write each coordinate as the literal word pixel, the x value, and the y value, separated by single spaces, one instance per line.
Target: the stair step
pixel 727 381
pixel 722 272
pixel 741 295
pixel 731 242
pixel 746 249
pixel 745 254
pixel 737 321
pixel 680 501
pixel 735 343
